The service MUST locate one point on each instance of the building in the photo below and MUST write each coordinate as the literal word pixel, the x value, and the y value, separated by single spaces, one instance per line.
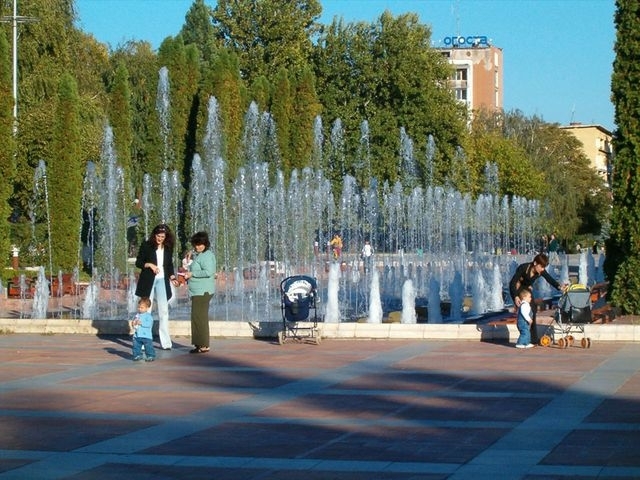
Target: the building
pixel 596 141
pixel 478 77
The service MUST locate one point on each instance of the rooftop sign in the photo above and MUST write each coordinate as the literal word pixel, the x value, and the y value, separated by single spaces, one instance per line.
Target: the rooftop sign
pixel 470 41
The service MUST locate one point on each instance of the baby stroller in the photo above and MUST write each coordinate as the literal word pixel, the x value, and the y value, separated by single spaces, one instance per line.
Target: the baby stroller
pixel 299 295
pixel 573 312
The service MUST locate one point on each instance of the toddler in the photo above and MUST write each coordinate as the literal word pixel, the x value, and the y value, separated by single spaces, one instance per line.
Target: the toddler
pixel 142 336
pixel 524 319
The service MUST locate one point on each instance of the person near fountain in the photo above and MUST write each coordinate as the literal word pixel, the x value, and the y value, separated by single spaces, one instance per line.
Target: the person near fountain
pixel 525 319
pixel 200 276
pixel 142 336
pixel 367 255
pixel 553 248
pixel 155 261
pixel 336 246
pixel 524 277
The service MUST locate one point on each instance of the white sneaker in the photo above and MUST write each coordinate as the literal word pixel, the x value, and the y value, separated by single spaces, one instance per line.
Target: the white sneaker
pixel 530 345
pixel 520 346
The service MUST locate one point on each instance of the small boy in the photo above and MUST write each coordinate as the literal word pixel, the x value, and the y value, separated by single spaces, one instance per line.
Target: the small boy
pixel 524 319
pixel 142 336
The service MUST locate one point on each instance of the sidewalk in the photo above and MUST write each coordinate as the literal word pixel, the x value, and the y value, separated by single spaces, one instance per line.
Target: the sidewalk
pixel 76 407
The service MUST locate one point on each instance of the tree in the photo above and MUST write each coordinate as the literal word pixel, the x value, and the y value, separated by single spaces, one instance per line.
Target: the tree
pixel 370 72
pixel 267 34
pixel 622 264
pixel 65 170
pixel 7 152
pixel 198 30
pixel 570 182
pixel 120 118
pixel 146 147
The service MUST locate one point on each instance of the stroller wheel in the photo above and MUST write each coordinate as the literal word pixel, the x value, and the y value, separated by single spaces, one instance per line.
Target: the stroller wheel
pixel 562 343
pixel 570 339
pixel 281 338
pixel 586 343
pixel 317 339
pixel 545 340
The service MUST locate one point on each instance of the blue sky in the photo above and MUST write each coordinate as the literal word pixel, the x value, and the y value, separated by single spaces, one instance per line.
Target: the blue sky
pixel 558 54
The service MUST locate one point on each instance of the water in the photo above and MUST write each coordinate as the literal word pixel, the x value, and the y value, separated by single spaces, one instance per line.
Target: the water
pixel 263 227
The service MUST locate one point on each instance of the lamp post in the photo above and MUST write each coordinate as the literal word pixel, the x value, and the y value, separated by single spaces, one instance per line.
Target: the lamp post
pixel 15 19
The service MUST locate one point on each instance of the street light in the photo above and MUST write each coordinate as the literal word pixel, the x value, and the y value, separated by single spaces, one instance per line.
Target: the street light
pixel 15 19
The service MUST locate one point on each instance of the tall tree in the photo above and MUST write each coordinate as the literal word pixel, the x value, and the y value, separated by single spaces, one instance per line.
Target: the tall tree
pixel 267 34
pixel 198 30
pixel 7 152
pixel 281 109
pixel 622 265
pixel 224 83
pixel 369 72
pixel 306 107
pixel 120 118
pixel 65 170
pixel 146 149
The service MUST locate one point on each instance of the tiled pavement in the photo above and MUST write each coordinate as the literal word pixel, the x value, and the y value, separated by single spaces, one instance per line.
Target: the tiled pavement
pixel 77 407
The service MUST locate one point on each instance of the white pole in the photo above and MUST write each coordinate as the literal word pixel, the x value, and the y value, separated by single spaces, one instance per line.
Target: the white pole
pixel 15 65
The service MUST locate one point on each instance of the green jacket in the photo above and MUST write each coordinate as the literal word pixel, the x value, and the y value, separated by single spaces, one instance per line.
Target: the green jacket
pixel 203 269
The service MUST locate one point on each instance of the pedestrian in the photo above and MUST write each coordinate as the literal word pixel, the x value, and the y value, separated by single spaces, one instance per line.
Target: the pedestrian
pixel 142 336
pixel 200 276
pixel 336 245
pixel 367 255
pixel 553 248
pixel 525 319
pixel 524 277
pixel 155 261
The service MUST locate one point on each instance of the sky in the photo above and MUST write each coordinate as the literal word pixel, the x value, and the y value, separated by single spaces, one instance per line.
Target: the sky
pixel 558 54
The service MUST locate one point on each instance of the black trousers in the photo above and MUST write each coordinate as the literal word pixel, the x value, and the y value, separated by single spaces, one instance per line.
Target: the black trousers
pixel 200 320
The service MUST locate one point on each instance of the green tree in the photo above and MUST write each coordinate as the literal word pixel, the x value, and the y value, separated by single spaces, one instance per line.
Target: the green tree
pixel 571 184
pixel 622 265
pixel 7 152
pixel 120 118
pixel 267 34
pixel 368 71
pixel 282 110
pixel 198 30
pixel 306 107
pixel 65 170
pixel 516 172
pixel 224 83
pixel 146 148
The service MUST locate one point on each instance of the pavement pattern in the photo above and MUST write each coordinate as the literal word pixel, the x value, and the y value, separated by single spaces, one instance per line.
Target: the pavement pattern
pixel 76 407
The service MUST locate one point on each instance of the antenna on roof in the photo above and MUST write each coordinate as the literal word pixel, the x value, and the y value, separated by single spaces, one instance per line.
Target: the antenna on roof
pixel 455 11
pixel 573 113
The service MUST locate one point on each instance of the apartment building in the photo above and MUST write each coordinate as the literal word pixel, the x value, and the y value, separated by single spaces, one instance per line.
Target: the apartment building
pixel 478 77
pixel 596 141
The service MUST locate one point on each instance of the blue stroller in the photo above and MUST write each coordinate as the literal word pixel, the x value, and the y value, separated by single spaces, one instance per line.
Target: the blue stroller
pixel 573 312
pixel 299 294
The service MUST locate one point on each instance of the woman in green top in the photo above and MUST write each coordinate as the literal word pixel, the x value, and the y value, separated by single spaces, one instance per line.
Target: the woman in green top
pixel 201 268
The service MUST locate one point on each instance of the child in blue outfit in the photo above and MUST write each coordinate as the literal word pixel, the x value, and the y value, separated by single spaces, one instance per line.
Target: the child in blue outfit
pixel 142 336
pixel 524 319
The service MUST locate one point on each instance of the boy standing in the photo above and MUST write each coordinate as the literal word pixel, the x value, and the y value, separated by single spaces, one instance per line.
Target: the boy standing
pixel 142 336
pixel 524 319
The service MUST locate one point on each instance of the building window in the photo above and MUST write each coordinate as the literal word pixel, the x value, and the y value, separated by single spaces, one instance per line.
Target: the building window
pixel 461 94
pixel 461 74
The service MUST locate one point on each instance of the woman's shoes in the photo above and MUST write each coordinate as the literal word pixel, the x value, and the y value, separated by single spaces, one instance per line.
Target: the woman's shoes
pixel 199 350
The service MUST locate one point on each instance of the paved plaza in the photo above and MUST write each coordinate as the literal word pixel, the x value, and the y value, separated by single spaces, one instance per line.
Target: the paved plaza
pixel 77 407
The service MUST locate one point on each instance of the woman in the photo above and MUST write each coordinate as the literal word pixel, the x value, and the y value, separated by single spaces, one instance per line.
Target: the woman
pixel 525 276
pixel 155 259
pixel 201 269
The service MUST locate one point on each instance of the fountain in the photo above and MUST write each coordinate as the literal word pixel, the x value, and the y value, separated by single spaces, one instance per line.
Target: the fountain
pixel 430 240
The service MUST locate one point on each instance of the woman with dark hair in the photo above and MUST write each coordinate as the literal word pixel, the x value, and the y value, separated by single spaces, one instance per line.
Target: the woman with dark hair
pixel 200 275
pixel 524 277
pixel 155 261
